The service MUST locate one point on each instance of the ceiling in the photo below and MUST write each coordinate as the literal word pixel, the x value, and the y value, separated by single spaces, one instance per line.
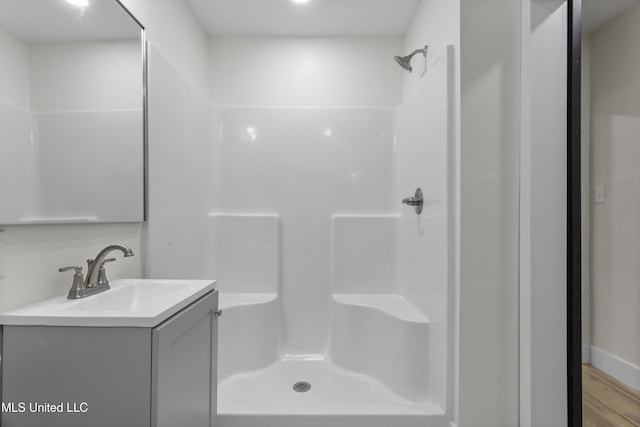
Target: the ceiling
pixel 55 20
pixel 314 18
pixel 39 21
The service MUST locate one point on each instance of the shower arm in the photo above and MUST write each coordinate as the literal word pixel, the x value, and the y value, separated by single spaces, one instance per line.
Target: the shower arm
pixel 423 51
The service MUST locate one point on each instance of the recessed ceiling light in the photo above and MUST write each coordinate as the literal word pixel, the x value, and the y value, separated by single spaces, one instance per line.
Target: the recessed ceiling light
pixel 301 1
pixel 79 3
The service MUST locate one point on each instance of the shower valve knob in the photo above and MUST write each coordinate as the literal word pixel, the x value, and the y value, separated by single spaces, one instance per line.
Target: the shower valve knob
pixel 416 201
pixel 412 201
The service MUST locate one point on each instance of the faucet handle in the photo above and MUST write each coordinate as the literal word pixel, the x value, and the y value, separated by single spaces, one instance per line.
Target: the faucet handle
pixel 78 288
pixel 78 270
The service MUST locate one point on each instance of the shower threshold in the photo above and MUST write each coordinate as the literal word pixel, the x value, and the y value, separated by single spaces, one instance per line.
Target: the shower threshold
pixel 268 397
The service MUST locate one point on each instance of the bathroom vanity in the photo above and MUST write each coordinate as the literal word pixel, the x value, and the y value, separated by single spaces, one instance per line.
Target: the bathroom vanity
pixel 141 354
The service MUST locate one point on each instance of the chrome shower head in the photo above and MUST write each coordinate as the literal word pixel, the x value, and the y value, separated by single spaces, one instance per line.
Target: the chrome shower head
pixel 405 61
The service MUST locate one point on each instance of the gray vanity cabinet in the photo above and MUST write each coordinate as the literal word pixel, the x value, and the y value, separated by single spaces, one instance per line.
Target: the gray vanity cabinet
pixel 63 376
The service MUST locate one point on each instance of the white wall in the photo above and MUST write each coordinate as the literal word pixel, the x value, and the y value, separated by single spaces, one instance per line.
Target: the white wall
pixel 305 71
pixel 615 126
pixel 14 73
pixel 543 216
pixel 488 212
pixel 180 139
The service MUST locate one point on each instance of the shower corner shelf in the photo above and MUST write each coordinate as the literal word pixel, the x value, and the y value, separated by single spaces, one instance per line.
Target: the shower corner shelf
pixel 391 304
pixel 236 299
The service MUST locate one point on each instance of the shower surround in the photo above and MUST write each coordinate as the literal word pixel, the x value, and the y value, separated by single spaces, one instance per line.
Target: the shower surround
pixel 336 298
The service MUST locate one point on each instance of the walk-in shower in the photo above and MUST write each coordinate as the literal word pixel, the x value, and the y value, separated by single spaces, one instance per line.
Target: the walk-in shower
pixel 336 297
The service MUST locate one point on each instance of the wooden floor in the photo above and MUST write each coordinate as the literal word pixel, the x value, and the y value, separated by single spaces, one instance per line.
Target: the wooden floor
pixel 606 402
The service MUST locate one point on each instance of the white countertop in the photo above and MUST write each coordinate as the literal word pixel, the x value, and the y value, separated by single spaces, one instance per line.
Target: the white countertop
pixel 129 303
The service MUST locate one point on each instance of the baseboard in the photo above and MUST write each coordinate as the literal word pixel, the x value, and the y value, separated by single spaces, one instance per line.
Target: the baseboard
pixel 586 353
pixel 620 369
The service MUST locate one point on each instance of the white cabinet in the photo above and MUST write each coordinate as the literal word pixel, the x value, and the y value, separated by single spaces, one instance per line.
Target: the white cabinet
pixel 68 376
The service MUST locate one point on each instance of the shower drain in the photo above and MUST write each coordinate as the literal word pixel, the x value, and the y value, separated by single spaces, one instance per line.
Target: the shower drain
pixel 301 386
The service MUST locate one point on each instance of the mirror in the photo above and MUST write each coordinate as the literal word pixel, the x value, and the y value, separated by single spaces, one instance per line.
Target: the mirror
pixel 71 112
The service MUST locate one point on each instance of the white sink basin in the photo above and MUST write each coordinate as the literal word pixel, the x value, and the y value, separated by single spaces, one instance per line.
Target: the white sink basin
pixel 129 302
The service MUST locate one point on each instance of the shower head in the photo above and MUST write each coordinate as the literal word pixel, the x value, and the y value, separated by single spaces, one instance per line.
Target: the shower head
pixel 405 61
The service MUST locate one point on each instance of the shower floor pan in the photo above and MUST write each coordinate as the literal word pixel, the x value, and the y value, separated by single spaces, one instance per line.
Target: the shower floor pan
pixel 336 397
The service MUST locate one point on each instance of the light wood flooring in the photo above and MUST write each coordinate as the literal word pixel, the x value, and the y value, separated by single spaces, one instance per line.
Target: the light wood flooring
pixel 606 402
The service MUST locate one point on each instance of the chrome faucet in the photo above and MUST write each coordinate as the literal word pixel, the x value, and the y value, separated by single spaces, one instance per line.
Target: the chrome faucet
pixel 95 267
pixel 96 280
